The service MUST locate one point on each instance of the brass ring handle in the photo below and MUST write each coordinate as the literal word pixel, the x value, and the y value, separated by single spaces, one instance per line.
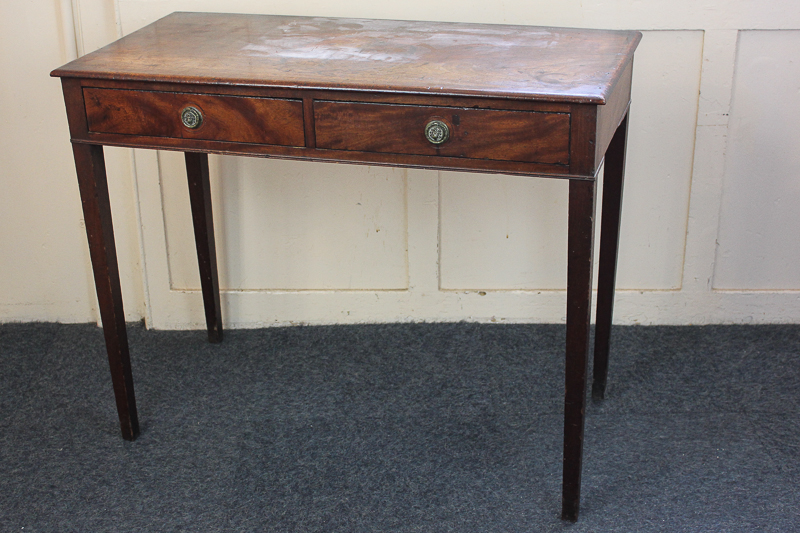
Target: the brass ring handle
pixel 191 117
pixel 437 132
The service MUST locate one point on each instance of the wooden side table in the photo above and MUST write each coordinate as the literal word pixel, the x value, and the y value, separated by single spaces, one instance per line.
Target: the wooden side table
pixel 507 99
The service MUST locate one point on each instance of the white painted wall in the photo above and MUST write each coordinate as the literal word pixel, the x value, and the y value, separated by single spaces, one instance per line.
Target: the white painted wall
pixel 760 217
pixel 709 219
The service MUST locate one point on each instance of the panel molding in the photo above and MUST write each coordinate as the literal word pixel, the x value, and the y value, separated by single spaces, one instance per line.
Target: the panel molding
pixel 757 246
pixel 692 301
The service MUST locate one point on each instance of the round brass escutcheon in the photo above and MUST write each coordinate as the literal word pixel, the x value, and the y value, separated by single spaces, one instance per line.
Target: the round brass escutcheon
pixel 437 132
pixel 191 117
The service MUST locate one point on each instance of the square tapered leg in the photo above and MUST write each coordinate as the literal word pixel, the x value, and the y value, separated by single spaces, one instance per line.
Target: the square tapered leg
pixel 90 165
pixel 579 300
pixel 203 220
pixel 613 179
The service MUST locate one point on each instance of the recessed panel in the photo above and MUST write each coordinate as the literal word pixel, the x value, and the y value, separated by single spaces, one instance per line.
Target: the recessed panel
pixel 658 175
pixel 502 232
pixel 284 225
pixel 499 232
pixel 758 239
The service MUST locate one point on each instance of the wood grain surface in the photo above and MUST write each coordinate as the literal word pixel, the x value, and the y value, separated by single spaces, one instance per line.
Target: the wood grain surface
pixel 474 133
pixel 555 64
pixel 225 118
pixel 515 99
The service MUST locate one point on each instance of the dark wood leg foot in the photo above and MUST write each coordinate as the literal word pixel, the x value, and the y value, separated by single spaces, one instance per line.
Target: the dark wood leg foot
pixel 609 243
pixel 598 390
pixel 579 301
pixel 200 197
pixel 91 168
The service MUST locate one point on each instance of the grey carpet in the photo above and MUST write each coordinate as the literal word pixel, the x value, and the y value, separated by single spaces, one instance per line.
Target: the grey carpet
pixel 384 428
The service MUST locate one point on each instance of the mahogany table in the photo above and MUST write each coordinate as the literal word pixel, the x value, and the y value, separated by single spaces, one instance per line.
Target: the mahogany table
pixel 518 100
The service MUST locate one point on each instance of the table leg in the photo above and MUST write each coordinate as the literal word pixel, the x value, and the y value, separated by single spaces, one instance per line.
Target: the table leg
pixel 579 302
pixel 609 243
pixel 200 198
pixel 91 168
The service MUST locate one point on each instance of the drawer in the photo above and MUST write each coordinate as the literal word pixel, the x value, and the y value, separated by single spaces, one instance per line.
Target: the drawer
pixel 222 118
pixel 524 136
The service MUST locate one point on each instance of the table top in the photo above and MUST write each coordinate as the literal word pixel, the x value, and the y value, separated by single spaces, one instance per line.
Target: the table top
pixel 521 62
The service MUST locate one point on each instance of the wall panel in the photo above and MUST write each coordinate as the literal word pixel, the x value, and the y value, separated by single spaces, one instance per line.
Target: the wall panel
pixel 287 225
pixel 511 233
pixel 708 222
pixel 759 248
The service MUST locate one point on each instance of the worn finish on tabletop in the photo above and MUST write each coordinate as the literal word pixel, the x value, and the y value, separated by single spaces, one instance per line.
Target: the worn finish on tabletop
pixel 424 57
pixel 515 99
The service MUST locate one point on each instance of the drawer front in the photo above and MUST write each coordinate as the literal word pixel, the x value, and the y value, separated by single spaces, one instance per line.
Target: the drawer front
pixel 224 118
pixel 523 136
